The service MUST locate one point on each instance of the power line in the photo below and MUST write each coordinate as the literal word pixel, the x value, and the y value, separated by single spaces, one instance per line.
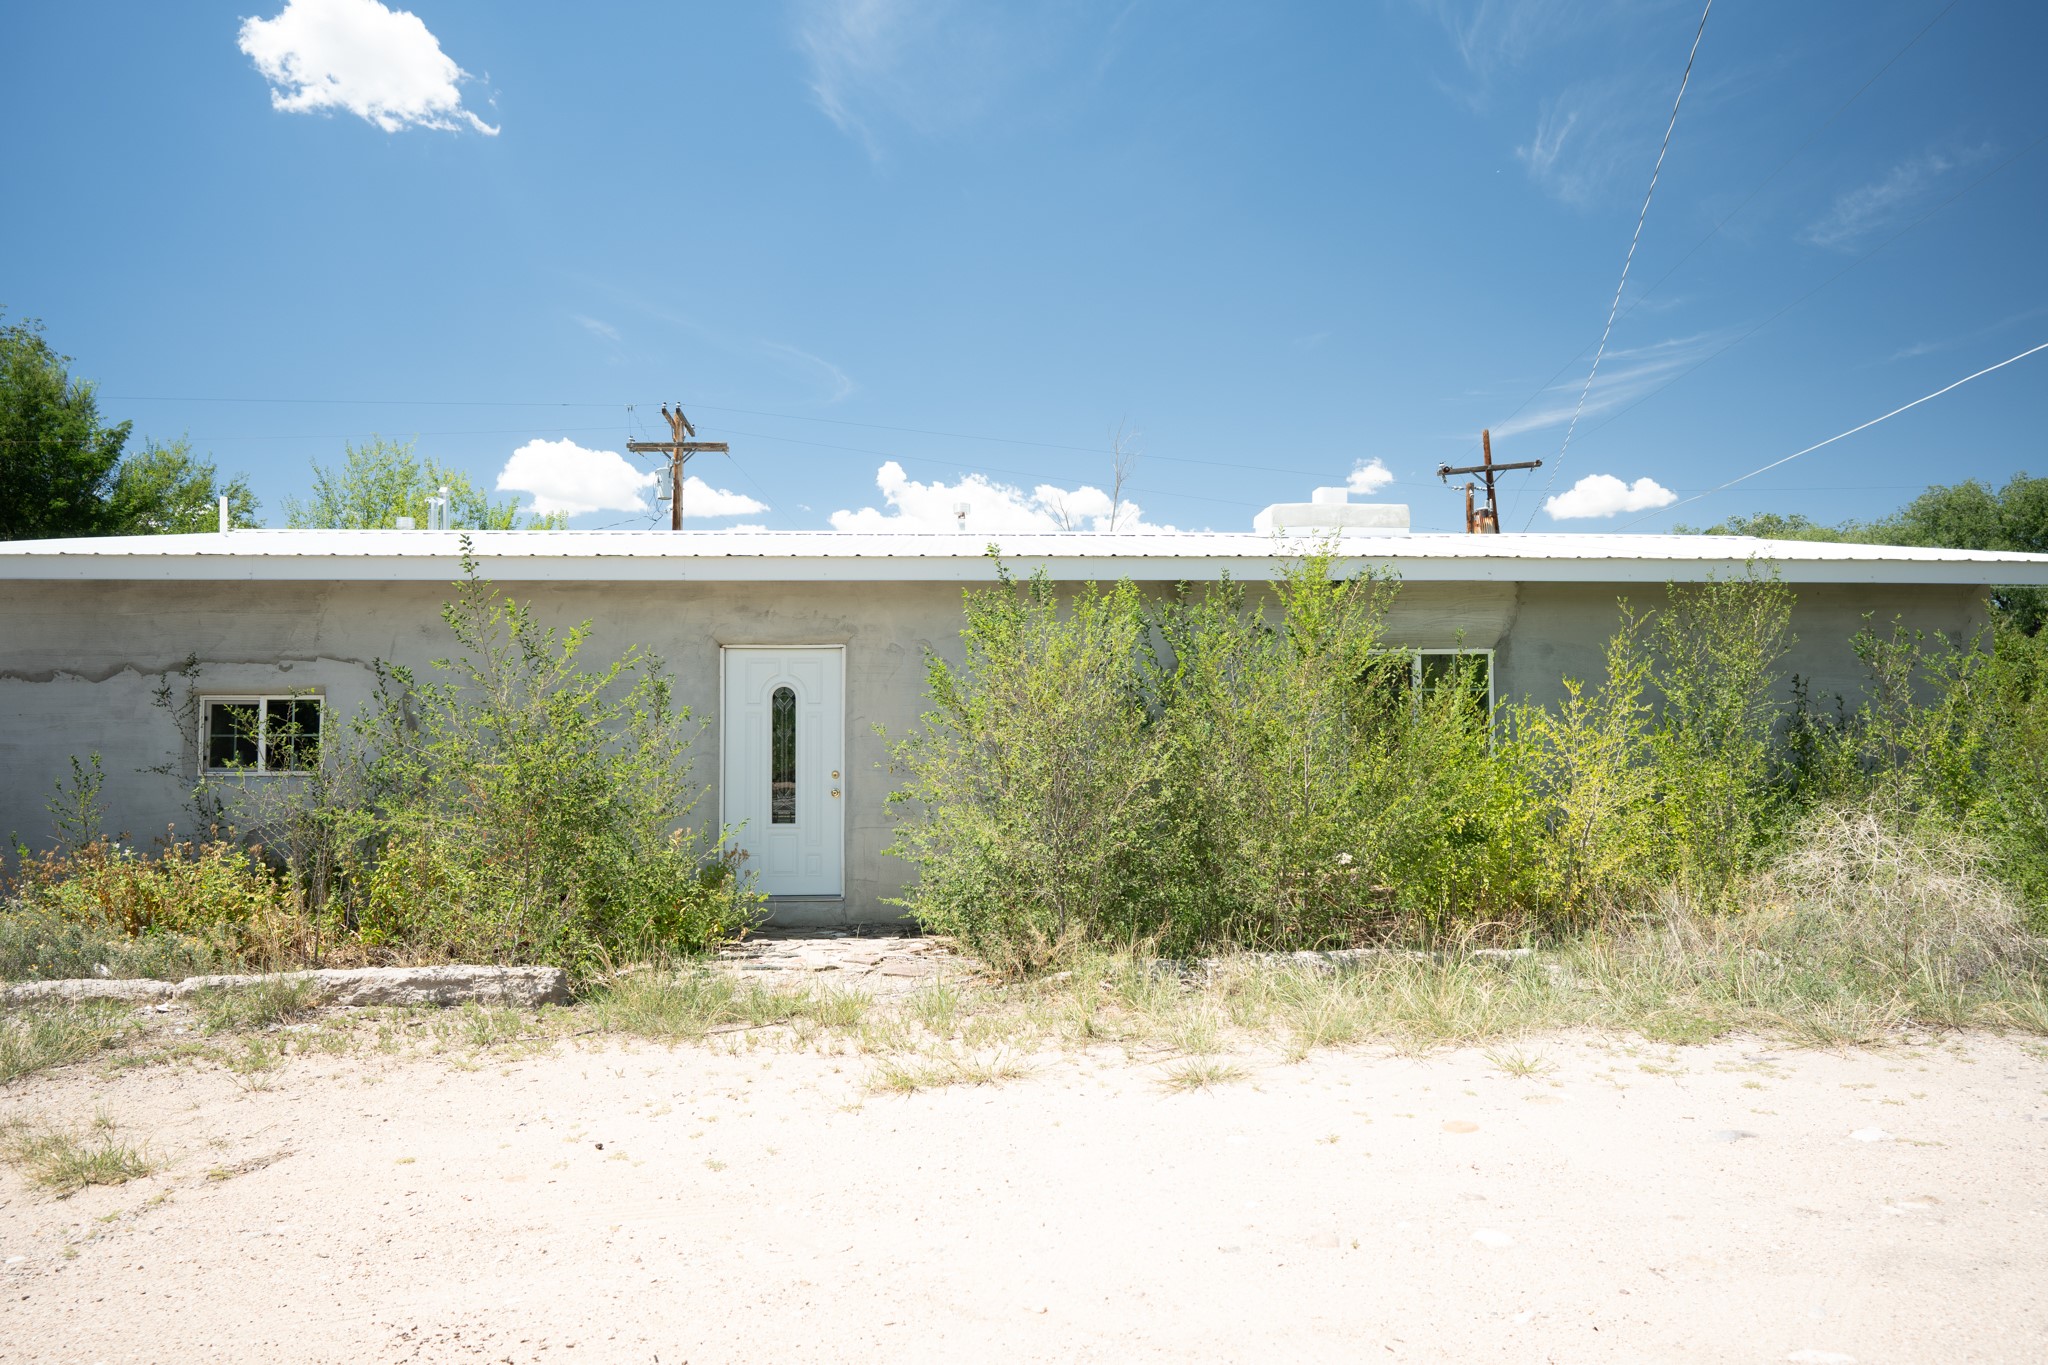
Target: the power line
pixel 998 469
pixel 765 436
pixel 1626 261
pixel 354 402
pixel 399 432
pixel 1839 436
pixel 1715 355
pixel 1715 231
pixel 708 407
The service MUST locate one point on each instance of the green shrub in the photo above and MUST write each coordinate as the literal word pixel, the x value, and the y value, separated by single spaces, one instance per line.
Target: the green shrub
pixel 1716 748
pixel 185 906
pixel 1192 773
pixel 511 806
pixel 1263 768
pixel 44 942
pixel 1589 767
pixel 1034 805
pixel 1319 794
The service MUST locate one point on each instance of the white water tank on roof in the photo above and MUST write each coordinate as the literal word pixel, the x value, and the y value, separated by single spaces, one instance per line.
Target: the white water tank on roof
pixel 1331 510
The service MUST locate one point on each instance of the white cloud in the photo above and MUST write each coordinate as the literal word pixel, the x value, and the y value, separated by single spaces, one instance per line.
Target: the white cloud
pixel 700 499
pixel 1493 34
pixel 1369 476
pixel 1857 213
pixel 597 327
pixel 1603 495
pixel 564 477
pixel 930 67
pixel 993 508
pixel 1626 374
pixel 835 379
pixel 379 64
pixel 1586 138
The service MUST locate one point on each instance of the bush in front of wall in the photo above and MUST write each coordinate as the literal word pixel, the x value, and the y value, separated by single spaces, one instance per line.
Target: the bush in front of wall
pixel 510 805
pixel 1324 793
pixel 1033 803
pixel 1190 773
pixel 1220 768
pixel 181 909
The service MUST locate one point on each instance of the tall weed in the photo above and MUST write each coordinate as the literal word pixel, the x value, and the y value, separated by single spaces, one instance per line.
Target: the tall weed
pixel 1033 800
pixel 510 805
pixel 1267 768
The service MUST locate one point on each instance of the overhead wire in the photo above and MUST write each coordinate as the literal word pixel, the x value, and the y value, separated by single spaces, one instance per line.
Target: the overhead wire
pixel 1738 340
pixel 1628 260
pixel 1643 297
pixel 957 464
pixel 1864 426
pixel 708 407
pixel 1715 231
pixel 635 422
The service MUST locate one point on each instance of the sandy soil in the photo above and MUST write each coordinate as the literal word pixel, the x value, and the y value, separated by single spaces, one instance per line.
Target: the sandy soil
pixel 639 1204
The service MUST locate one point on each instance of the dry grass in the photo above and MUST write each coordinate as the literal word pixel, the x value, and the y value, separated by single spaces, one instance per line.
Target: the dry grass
pixel 1855 936
pixel 64 1163
pixel 34 1039
pixel 934 1072
pixel 271 1000
pixel 1201 1073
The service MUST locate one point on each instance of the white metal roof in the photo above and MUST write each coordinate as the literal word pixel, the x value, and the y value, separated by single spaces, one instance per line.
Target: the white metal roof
pixel 814 556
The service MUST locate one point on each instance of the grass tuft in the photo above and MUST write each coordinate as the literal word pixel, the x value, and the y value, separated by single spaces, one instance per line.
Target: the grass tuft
pixel 1519 1062
pixel 910 1075
pixel 260 1004
pixel 65 1164
pixel 36 1039
pixel 1201 1073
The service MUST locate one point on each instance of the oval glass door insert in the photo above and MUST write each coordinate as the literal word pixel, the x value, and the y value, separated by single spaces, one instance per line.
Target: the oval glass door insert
pixel 782 757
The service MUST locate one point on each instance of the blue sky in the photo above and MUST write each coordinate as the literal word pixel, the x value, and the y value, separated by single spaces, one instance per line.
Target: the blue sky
pixel 882 248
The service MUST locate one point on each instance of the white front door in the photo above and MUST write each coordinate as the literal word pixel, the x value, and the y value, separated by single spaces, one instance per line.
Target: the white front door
pixel 783 760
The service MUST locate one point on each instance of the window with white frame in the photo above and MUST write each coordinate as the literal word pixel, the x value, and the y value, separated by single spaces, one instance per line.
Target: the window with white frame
pixel 259 734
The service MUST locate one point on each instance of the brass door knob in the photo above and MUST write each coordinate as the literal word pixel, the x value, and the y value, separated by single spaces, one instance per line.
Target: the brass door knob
pixel 835 792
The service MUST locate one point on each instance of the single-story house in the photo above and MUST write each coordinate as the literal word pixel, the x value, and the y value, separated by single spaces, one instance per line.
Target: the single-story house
pixel 813 639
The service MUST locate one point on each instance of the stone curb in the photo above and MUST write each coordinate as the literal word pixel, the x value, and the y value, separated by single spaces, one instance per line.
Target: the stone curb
pixel 520 987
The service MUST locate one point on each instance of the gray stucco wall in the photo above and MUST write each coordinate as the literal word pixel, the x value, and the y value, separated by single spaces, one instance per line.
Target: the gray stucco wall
pixel 80 664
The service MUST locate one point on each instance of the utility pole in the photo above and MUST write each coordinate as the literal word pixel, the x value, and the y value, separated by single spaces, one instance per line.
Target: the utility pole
pixel 679 448
pixel 1485 522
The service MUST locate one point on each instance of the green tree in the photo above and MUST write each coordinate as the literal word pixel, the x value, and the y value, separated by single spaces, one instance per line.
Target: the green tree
pixel 166 489
pixel 57 458
pixel 1970 516
pixel 1961 516
pixel 1771 526
pixel 382 481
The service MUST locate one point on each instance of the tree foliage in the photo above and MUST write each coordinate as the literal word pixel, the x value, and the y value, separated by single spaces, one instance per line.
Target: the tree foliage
pixel 1960 516
pixel 1270 770
pixel 383 480
pixel 57 458
pixel 63 472
pixel 167 490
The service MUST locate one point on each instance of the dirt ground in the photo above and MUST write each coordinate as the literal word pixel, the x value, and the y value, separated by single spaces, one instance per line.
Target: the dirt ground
pixel 1731 1202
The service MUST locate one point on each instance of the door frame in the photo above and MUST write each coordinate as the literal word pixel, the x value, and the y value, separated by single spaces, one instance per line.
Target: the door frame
pixel 725 750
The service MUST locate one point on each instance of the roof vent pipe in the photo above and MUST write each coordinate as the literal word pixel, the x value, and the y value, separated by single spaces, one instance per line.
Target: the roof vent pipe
pixel 224 522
